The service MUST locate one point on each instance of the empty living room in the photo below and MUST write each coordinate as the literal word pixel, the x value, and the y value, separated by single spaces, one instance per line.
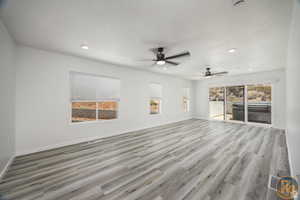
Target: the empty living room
pixel 150 100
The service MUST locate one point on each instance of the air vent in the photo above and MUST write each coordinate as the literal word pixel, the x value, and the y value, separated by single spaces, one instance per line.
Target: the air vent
pixel 273 180
pixel 238 2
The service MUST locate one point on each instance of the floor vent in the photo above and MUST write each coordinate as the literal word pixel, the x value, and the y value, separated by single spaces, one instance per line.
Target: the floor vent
pixel 273 180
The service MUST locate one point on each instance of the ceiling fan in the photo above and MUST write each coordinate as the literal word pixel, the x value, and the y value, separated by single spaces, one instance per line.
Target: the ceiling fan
pixel 209 74
pixel 161 58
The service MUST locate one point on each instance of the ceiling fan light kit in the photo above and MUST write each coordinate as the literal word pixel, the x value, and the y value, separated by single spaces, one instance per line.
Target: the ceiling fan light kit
pixel 160 62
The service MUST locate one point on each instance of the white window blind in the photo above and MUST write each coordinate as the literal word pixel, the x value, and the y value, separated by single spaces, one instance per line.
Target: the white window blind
pixel 155 90
pixel 85 87
pixel 186 93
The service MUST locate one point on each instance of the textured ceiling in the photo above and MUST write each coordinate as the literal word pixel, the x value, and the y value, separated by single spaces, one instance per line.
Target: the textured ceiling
pixel 122 32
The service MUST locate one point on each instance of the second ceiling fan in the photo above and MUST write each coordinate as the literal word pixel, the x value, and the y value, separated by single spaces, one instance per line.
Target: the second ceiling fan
pixel 209 74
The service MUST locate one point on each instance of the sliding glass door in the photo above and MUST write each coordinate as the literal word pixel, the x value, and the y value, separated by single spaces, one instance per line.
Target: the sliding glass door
pixel 235 103
pixel 245 103
pixel 217 103
pixel 259 103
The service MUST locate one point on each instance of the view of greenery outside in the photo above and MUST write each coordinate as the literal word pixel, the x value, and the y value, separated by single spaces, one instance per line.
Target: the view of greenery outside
pixel 259 103
pixel 216 94
pixel 154 106
pixel 235 94
pixel 259 93
pixel 235 103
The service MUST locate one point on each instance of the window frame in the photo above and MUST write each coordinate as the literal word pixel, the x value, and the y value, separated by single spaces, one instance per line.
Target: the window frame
pixel 160 99
pixel 271 84
pixel 99 100
pixel 159 108
pixel 97 112
pixel 117 110
pixel 188 100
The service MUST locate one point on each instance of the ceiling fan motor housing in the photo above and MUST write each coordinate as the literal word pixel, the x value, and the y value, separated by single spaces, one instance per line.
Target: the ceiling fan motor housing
pixel 160 56
pixel 208 73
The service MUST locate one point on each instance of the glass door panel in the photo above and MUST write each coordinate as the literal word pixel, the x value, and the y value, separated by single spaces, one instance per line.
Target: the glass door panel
pixel 217 103
pixel 259 103
pixel 235 103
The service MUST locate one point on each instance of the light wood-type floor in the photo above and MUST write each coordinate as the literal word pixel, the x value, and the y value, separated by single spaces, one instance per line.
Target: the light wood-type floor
pixel 188 160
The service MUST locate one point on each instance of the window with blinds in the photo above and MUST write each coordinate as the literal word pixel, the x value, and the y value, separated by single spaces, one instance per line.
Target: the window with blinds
pixel 94 97
pixel 186 99
pixel 155 98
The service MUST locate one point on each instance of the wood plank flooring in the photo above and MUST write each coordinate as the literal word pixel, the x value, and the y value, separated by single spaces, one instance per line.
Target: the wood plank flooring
pixel 188 160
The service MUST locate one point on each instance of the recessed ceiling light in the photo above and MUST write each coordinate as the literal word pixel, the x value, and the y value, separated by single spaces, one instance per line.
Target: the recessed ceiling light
pixel 84 46
pixel 232 50
pixel 161 62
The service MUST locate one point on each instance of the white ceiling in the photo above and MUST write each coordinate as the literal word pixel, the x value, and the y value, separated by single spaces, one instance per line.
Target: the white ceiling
pixel 122 32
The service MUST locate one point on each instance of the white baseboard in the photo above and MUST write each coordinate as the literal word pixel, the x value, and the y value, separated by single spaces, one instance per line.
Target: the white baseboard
pixel 237 122
pixel 203 118
pixel 289 154
pixel 81 140
pixel 2 173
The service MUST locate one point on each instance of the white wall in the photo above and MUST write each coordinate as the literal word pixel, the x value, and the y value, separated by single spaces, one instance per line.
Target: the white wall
pixel 43 106
pixel 7 100
pixel 293 90
pixel 277 78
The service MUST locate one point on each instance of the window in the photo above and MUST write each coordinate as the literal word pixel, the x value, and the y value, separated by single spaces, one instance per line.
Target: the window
pixel 107 110
pixel 259 103
pixel 94 97
pixel 83 111
pixel 186 99
pixel 155 106
pixel 235 103
pixel 155 98
pixel 248 103
pixel 217 103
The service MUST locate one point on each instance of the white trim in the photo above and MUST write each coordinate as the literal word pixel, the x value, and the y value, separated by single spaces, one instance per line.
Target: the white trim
pixel 93 122
pixel 97 111
pixel 88 139
pixel 225 104
pixel 245 106
pixel 247 82
pixel 97 100
pixel 93 74
pixel 10 161
pixel 246 103
pixel 238 122
pixel 289 154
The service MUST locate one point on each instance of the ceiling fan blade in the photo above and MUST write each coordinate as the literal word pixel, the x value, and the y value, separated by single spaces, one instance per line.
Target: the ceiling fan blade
pixel 219 73
pixel 172 63
pixel 179 55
